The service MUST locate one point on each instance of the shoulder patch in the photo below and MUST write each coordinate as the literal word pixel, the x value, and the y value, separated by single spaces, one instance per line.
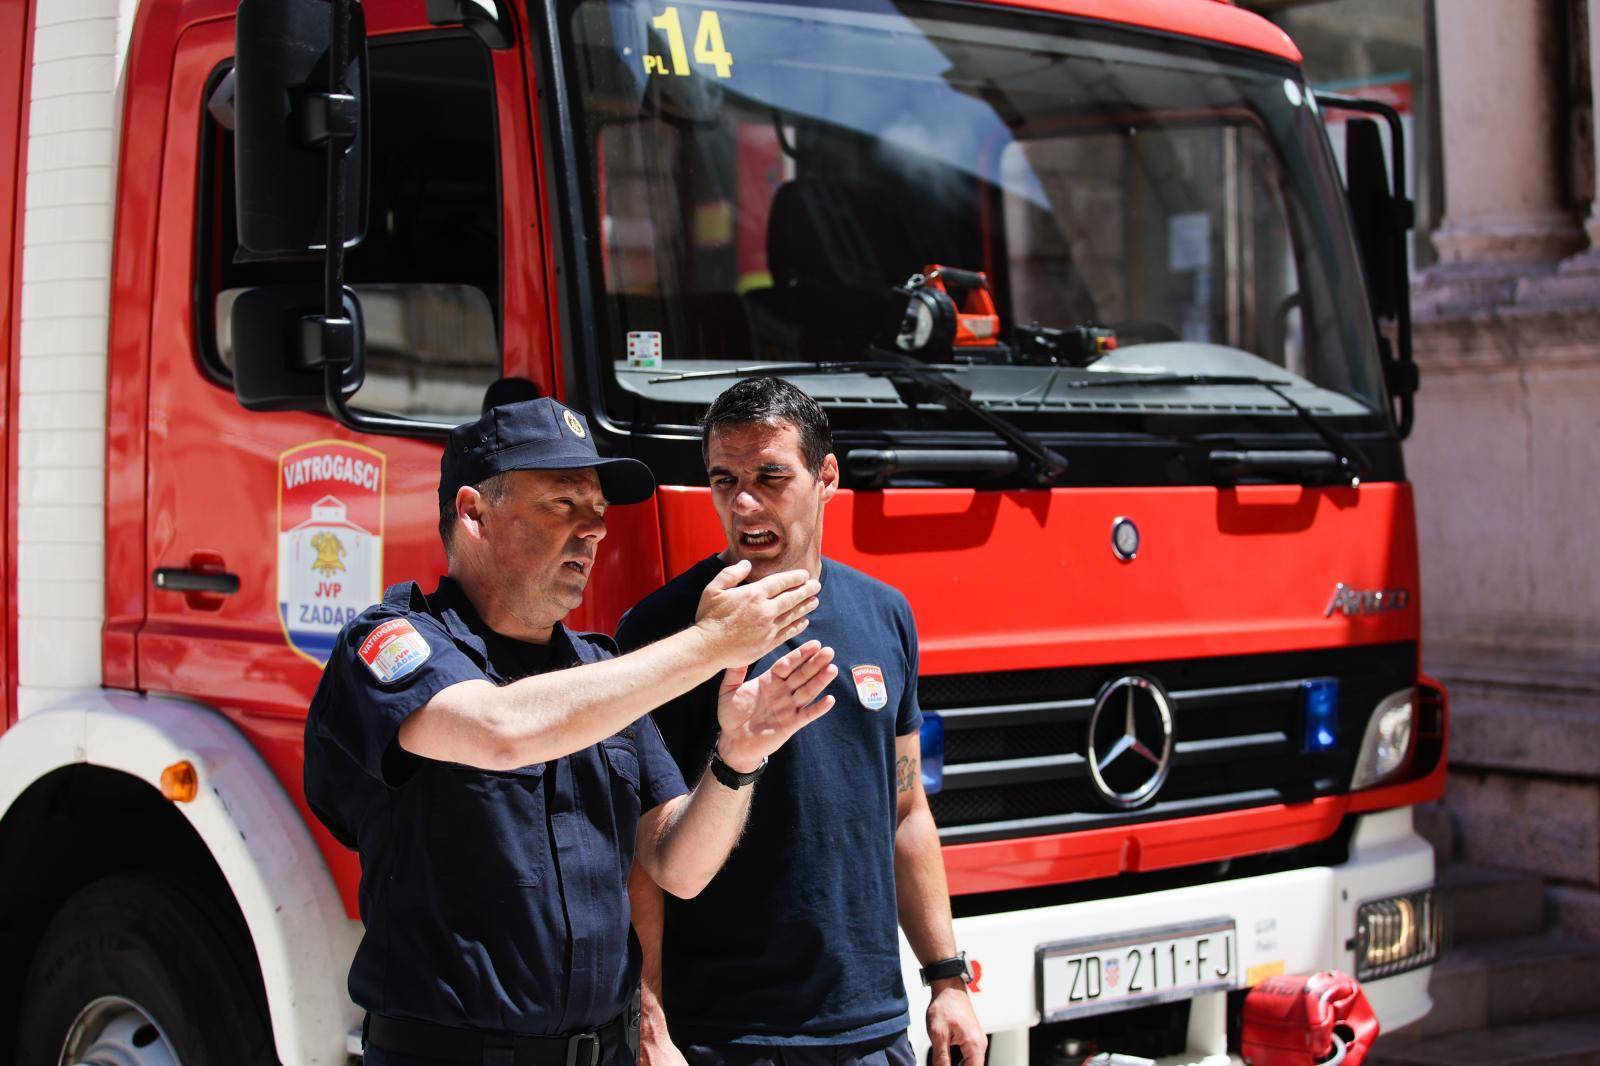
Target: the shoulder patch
pixel 393 650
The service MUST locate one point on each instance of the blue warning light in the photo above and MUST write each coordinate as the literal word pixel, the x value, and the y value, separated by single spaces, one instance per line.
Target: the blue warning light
pixel 1320 700
pixel 932 752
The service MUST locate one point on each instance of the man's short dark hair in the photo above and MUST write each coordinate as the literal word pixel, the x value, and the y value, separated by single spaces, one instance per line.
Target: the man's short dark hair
pixel 769 401
pixel 493 489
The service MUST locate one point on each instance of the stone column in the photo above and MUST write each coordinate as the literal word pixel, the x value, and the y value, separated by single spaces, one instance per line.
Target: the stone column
pixel 1499 65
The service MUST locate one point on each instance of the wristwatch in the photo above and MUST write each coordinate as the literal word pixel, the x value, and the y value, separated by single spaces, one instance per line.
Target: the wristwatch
pixel 731 777
pixel 945 968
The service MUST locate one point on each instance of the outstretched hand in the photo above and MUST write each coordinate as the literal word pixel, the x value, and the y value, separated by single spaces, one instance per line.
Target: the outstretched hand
pixel 757 716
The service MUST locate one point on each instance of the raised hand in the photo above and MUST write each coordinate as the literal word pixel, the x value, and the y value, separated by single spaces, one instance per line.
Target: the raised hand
pixel 744 622
pixel 757 716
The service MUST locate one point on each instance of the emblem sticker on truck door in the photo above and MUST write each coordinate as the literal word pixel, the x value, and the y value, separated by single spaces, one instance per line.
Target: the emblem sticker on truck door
pixel 330 541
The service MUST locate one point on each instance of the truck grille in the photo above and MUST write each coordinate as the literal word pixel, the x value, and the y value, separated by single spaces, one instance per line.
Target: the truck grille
pixel 1016 741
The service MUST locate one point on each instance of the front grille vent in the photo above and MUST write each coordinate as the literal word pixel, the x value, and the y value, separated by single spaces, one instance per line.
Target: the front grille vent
pixel 1016 742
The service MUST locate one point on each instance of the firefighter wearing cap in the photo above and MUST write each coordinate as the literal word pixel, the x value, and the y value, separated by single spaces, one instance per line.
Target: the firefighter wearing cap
pixel 498 773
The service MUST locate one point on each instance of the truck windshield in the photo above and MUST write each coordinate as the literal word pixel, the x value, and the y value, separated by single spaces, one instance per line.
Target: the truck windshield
pixel 761 179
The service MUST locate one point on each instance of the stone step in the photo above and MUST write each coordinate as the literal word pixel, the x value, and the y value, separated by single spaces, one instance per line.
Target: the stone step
pixel 1486 904
pixel 1509 981
pixel 1524 729
pixel 1568 1041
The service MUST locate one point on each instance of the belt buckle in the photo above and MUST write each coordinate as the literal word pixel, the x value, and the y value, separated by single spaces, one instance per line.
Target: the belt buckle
pixel 592 1041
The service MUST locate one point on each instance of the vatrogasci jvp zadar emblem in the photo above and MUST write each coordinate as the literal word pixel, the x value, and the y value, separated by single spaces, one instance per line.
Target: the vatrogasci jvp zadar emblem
pixel 330 541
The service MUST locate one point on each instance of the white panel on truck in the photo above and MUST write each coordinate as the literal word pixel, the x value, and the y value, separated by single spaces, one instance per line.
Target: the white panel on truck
pixel 66 262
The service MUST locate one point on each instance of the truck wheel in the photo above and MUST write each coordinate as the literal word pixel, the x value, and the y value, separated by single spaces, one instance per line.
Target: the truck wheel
pixel 133 971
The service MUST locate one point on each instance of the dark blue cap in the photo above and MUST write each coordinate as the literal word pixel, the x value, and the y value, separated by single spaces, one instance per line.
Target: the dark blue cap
pixel 535 435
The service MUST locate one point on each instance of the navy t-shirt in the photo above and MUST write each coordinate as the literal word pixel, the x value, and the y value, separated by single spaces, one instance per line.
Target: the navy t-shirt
pixel 796 940
pixel 491 900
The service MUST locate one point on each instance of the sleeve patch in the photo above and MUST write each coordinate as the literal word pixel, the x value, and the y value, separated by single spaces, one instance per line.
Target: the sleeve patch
pixel 393 650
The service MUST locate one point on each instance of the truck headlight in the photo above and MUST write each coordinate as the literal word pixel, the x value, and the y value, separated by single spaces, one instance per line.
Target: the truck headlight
pixel 1397 934
pixel 1386 746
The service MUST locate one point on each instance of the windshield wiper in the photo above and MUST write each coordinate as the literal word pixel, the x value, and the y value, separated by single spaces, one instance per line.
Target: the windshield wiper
pixel 1041 463
pixel 1352 462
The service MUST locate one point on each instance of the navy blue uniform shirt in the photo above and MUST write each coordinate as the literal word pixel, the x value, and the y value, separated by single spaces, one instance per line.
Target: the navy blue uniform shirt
pixel 796 941
pixel 491 900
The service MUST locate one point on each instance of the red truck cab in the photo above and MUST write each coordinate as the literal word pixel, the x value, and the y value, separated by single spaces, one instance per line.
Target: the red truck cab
pixel 630 205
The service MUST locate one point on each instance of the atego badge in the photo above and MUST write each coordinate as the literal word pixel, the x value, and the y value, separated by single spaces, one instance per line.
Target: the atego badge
pixel 330 541
pixel 871 690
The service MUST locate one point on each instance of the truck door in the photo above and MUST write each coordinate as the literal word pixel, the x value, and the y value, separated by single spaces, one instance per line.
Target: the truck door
pixel 288 523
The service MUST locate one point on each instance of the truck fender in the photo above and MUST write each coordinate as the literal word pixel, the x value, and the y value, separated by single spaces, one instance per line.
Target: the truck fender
pixel 303 940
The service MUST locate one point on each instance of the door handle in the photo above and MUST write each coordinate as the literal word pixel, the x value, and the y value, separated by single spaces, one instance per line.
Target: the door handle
pixel 204 582
pixel 177 579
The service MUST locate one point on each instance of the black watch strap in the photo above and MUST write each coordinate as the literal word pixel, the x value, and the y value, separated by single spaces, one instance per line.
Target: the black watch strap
pixel 731 777
pixel 956 966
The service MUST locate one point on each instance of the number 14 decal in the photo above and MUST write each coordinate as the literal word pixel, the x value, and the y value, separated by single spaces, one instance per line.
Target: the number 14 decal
pixel 709 50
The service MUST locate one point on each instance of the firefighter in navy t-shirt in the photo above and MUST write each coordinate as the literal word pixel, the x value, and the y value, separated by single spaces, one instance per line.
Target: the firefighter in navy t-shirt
pixel 790 955
pixel 491 769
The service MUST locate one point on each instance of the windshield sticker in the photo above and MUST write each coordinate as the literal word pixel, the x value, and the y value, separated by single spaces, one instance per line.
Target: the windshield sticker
pixel 644 348
pixel 330 541
pixel 709 49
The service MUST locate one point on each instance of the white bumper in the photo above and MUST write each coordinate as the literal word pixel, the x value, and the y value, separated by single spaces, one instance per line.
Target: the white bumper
pixel 1293 922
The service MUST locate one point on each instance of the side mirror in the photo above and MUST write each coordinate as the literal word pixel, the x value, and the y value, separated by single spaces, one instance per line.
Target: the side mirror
pixel 1382 216
pixel 285 118
pixel 1371 209
pixel 277 362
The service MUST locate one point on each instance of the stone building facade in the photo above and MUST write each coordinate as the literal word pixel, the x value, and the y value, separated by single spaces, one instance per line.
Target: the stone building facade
pixel 1505 455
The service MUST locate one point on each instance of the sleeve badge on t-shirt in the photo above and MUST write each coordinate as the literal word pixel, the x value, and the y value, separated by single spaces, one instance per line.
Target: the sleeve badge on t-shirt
pixel 394 650
pixel 870 687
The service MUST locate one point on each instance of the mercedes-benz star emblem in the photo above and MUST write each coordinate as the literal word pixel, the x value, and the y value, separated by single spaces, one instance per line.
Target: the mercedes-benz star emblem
pixel 1130 741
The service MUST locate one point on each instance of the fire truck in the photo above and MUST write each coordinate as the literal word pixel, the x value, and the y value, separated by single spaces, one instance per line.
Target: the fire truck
pixel 1118 366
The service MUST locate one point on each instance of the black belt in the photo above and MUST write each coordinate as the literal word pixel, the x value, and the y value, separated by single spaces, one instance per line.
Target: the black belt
pixel 427 1040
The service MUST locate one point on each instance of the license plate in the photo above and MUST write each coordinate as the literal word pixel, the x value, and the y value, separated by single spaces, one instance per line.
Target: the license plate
pixel 1100 974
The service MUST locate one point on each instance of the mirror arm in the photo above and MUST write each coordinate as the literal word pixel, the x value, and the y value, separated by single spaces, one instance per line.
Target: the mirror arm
pixel 1401 374
pixel 329 340
pixel 333 248
pixel 327 119
pixel 326 341
pixel 367 422
pixel 486 21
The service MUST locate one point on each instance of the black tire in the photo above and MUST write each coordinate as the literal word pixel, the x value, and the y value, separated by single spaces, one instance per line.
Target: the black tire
pixel 145 939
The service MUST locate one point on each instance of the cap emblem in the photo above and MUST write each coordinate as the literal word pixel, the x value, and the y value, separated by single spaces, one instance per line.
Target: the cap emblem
pixel 573 424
